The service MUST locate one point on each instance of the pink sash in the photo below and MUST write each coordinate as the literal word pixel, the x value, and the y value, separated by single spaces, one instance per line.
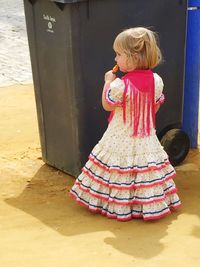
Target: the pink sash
pixel 140 86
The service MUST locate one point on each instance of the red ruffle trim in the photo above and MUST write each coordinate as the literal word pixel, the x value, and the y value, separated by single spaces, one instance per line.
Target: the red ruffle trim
pixel 125 203
pixel 161 99
pixel 121 187
pixel 127 218
pixel 134 169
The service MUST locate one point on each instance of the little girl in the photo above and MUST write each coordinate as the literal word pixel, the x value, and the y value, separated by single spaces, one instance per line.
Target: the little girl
pixel 128 174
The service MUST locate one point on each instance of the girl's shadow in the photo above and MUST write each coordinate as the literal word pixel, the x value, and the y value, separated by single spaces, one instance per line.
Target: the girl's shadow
pixel 46 198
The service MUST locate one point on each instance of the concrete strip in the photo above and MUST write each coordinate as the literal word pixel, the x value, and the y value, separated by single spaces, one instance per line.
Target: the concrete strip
pixel 15 67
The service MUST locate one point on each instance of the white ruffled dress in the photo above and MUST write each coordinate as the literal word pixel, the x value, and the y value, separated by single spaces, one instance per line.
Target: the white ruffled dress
pixel 127 177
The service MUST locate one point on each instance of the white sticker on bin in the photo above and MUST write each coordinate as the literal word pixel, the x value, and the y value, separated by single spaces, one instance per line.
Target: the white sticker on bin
pixel 50 22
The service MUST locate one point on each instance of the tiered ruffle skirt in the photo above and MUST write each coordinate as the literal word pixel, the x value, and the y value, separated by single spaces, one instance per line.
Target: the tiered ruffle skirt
pixel 126 185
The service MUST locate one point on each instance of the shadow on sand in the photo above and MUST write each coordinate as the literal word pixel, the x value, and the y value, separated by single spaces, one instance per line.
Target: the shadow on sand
pixel 46 198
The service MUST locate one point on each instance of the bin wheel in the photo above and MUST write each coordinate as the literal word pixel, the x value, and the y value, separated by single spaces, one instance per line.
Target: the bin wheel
pixel 176 143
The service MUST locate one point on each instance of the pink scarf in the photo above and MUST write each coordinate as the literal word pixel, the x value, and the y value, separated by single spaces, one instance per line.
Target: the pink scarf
pixel 140 84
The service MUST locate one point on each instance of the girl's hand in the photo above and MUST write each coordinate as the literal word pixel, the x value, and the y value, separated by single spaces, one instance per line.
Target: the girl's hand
pixel 109 76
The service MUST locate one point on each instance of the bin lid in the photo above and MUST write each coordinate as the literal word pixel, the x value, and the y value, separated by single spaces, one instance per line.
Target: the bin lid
pixel 194 3
pixel 68 1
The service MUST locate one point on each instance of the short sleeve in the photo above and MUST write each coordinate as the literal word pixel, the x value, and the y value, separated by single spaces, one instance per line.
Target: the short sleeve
pixel 159 96
pixel 114 93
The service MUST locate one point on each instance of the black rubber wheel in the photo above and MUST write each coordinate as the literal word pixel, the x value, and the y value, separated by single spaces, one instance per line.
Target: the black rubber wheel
pixel 177 144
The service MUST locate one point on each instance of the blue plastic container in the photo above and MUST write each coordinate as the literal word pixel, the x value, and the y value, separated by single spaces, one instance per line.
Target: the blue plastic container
pixel 192 73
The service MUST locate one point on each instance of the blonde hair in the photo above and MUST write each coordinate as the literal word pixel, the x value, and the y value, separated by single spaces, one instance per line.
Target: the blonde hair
pixel 141 42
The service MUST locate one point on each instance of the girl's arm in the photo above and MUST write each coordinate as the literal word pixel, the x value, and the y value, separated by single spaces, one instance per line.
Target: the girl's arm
pixel 109 77
pixel 105 105
pixel 157 106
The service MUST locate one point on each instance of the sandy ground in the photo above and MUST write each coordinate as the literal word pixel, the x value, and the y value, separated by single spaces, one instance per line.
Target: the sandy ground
pixel 41 226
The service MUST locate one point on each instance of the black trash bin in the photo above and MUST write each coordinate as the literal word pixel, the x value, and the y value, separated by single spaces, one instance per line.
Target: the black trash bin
pixel 71 48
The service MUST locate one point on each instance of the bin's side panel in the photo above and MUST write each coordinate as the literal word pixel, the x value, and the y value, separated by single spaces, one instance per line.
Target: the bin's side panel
pixel 87 85
pixel 30 25
pixel 173 42
pixel 54 60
